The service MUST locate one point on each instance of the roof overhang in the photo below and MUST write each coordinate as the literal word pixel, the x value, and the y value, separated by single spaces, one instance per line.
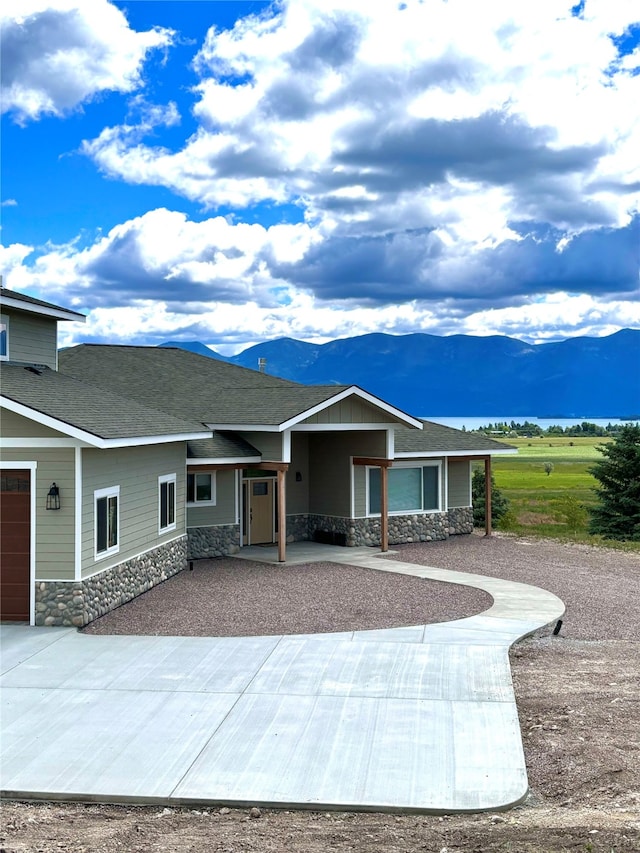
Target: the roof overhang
pixel 468 454
pixel 352 391
pixel 92 439
pixel 43 310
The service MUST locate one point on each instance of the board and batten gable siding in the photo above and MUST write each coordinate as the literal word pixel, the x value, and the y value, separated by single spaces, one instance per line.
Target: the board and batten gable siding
pixel 298 490
pixel 135 470
pixel 352 410
pixel 269 444
pixel 459 483
pixel 16 426
pixel 32 338
pixel 224 511
pixel 330 467
pixel 55 529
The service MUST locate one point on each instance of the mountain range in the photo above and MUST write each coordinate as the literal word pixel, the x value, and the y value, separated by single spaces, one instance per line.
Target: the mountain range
pixel 464 375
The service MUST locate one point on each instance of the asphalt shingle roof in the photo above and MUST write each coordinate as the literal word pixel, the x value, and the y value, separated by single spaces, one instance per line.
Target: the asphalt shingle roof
pixel 437 438
pixel 193 386
pixel 94 410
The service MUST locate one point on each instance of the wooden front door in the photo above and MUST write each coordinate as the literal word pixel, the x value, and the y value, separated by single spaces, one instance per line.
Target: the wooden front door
pixel 261 511
pixel 15 539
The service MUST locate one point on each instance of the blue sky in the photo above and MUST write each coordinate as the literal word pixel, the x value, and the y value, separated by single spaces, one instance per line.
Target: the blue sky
pixel 232 172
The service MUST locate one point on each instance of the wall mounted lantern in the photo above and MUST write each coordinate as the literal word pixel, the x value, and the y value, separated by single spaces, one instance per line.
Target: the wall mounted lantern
pixel 53 497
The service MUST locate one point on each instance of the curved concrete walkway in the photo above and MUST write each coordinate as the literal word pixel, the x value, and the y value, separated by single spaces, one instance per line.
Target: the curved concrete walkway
pixel 416 718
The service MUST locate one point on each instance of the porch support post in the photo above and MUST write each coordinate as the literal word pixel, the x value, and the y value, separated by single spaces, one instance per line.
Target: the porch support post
pixel 487 496
pixel 282 516
pixel 384 508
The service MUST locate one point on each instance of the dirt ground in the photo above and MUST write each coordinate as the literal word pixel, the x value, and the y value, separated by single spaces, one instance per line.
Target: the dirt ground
pixel 578 700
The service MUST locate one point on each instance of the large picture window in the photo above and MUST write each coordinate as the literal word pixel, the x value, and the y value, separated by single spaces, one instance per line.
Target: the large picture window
pixel 107 521
pixel 410 489
pixel 201 488
pixel 167 502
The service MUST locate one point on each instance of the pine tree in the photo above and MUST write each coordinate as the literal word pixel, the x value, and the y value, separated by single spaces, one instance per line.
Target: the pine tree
pixel 617 514
pixel 499 504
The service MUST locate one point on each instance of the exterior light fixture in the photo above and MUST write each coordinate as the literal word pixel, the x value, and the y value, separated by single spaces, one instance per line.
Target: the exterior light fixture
pixel 53 497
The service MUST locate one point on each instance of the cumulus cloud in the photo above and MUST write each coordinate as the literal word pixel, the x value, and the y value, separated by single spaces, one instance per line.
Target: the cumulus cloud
pixel 57 54
pixel 383 99
pixel 459 167
pixel 163 276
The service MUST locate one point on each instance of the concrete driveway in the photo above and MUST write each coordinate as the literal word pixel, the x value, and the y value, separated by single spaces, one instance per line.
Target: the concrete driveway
pixel 415 718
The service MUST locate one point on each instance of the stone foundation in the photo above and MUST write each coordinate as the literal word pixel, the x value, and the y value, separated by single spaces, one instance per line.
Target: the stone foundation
pixel 207 542
pixel 298 528
pixel 427 527
pixel 76 603
pixel 460 520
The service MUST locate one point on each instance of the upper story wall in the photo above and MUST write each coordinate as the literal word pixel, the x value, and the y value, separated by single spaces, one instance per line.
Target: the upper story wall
pixel 30 338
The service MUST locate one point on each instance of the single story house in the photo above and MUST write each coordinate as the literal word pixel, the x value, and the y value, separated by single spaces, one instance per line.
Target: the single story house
pixel 121 463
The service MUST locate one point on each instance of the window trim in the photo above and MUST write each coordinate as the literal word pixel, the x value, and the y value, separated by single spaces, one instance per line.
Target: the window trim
pixel 214 483
pixel 108 492
pixel 436 463
pixel 4 320
pixel 165 479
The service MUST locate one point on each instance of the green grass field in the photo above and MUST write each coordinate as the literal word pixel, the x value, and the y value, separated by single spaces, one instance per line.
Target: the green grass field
pixel 552 504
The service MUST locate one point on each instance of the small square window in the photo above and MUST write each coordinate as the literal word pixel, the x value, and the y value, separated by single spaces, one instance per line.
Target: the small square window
pixel 201 488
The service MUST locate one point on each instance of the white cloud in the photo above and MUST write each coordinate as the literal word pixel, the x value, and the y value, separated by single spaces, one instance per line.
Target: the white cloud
pixel 162 276
pixel 58 54
pixel 377 100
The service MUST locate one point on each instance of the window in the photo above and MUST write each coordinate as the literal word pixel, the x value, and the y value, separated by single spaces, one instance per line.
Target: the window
pixel 106 525
pixel 414 489
pixel 4 337
pixel 167 503
pixel 201 488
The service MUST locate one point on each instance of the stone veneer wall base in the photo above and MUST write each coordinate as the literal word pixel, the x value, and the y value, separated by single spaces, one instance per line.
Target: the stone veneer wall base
pixel 76 603
pixel 208 542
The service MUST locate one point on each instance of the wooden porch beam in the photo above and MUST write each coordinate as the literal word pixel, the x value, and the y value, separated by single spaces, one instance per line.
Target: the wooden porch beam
pixel 282 516
pixel 270 466
pixel 487 496
pixel 374 461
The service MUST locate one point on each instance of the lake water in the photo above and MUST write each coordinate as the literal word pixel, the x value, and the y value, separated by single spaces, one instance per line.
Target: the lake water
pixel 471 423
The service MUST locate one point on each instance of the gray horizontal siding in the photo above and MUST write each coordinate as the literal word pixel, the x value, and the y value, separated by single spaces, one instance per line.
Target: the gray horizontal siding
pixel 459 483
pixel 31 338
pixel 269 444
pixel 55 529
pixel 330 467
pixel 224 512
pixel 136 471
pixel 298 490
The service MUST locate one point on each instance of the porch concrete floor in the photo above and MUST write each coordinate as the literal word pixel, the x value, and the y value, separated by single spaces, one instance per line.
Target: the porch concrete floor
pixel 417 718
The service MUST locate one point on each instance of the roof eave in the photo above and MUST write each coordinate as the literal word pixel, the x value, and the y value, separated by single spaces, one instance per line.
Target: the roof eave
pixel 93 439
pixel 32 308
pixel 421 454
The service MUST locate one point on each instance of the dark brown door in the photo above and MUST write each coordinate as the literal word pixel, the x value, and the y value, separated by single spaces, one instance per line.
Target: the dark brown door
pixel 15 530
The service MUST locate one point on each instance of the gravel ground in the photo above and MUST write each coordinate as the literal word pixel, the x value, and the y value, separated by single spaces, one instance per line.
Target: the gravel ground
pixel 235 598
pixel 600 587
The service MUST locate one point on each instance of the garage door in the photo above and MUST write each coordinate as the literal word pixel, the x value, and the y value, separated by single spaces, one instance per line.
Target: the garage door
pixel 15 523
